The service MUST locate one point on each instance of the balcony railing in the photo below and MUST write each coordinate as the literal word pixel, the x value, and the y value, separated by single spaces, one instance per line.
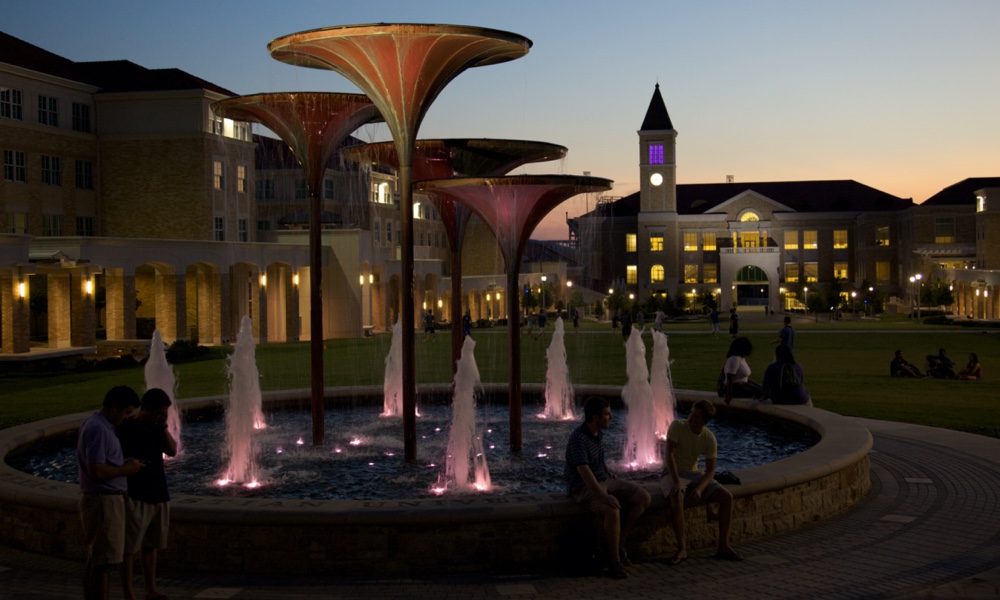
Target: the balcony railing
pixel 750 250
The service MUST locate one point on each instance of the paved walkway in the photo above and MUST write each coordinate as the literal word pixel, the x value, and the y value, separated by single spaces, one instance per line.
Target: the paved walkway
pixel 929 529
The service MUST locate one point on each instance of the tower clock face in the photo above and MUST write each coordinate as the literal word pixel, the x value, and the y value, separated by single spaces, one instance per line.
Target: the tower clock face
pixel 656 179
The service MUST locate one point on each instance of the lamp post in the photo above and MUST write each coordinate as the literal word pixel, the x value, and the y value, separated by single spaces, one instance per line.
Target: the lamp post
pixel 915 290
pixel 544 279
pixel 854 310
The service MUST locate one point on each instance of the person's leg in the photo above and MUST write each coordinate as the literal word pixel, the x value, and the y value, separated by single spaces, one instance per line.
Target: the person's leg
pixel 725 500
pixel 677 504
pixel 149 573
pixel 125 572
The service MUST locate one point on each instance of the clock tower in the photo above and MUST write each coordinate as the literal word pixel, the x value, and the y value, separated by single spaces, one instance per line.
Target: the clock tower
pixel 658 256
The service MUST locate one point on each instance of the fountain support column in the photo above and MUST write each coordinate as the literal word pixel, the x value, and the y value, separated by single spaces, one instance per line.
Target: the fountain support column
pixel 313 125
pixel 402 68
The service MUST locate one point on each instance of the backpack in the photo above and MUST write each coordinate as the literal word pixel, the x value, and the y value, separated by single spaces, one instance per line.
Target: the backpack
pixel 788 379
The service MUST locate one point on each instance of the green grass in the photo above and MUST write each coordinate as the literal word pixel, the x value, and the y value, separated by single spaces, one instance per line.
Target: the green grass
pixel 846 371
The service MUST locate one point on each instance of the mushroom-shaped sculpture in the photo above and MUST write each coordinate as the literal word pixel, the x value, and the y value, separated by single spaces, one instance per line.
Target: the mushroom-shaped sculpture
pixel 512 207
pixel 439 159
pixel 402 68
pixel 313 124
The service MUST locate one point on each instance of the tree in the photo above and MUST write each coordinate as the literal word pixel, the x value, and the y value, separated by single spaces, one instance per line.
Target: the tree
pixel 576 299
pixel 815 303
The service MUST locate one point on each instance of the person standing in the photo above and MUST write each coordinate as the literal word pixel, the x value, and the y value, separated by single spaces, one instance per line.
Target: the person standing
pixel 147 438
pixel 467 325
pixel 687 440
pixel 102 471
pixel 714 318
pixel 626 325
pixel 591 484
pixel 658 320
pixel 734 323
pixel 786 336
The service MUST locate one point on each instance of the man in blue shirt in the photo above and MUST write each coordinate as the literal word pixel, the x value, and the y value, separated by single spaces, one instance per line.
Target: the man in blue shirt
pixel 103 471
pixel 786 337
pixel 592 485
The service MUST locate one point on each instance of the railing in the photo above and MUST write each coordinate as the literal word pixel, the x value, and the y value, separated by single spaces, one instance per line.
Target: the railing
pixel 750 250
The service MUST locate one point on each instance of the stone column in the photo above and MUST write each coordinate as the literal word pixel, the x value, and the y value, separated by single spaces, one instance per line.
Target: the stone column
pixel 59 310
pixel 83 314
pixel 225 304
pixel 16 313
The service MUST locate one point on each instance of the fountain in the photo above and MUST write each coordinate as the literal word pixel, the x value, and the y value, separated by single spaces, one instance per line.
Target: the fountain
pixel 512 207
pixel 392 385
pixel 159 374
pixel 438 159
pixel 402 68
pixel 243 410
pixel 313 125
pixel 558 388
pixel 662 385
pixel 640 442
pixel 465 454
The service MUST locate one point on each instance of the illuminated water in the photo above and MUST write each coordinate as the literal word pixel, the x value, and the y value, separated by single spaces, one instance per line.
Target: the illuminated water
pixel 363 456
pixel 558 388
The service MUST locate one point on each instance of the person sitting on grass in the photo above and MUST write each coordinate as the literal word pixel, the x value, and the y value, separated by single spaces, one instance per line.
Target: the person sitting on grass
pixel 734 381
pixel 685 485
pixel 783 379
pixel 900 367
pixel 940 365
pixel 973 370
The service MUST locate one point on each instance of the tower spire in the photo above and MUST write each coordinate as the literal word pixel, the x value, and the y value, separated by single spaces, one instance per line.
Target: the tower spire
pixel 657 118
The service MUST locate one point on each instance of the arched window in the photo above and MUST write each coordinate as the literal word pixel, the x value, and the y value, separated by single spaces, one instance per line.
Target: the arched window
pixel 656 274
pixel 749 216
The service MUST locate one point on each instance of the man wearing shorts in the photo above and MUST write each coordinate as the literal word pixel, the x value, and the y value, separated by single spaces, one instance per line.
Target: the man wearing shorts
pixel 147 438
pixel 592 485
pixel 102 471
pixel 684 484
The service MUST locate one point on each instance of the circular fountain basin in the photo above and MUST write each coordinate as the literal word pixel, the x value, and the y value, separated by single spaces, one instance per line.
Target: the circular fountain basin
pixel 450 533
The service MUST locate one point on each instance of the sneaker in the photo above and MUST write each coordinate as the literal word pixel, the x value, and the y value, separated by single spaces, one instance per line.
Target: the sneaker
pixel 623 557
pixel 617 571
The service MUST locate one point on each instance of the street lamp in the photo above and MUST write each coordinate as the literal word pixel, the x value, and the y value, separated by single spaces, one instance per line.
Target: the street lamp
pixel 915 280
pixel 854 309
pixel 544 279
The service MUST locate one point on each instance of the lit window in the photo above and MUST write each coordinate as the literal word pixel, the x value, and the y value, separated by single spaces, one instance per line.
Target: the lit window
pixel 882 269
pixel 631 274
pixel 791 272
pixel 839 239
pixel 656 274
pixel 809 240
pixel 220 229
pixel 16 222
pixel 944 231
pixel 690 273
pixel 48 111
pixel 840 270
pixel 51 170
pixel 10 104
pixel 980 203
pixel 811 272
pixel 629 242
pixel 84 175
pixel 690 242
pixel 749 217
pixel 882 235
pixel 708 242
pixel 711 273
pixel 417 211
pixel 217 174
pixel 656 242
pixel 791 240
pixel 241 179
pixel 656 154
pixel 14 165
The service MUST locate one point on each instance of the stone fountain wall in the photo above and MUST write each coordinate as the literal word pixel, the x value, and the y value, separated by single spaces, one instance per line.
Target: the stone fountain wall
pixel 446 534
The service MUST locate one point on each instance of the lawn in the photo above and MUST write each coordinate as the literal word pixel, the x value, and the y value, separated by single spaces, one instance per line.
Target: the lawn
pixel 846 367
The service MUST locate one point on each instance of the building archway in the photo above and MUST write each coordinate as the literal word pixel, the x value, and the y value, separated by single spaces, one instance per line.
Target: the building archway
pixel 751 287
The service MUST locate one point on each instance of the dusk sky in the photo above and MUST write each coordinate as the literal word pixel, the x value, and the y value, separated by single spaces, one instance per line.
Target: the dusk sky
pixel 901 95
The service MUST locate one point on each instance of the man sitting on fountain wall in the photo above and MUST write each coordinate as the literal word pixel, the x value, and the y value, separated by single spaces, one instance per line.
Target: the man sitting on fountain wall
pixel 591 484
pixel 102 472
pixel 687 440
pixel 147 438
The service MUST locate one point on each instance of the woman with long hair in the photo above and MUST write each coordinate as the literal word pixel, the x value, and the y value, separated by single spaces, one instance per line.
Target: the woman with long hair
pixel 783 380
pixel 734 381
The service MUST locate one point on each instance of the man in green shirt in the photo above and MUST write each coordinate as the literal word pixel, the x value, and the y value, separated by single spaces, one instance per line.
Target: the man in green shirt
pixel 687 440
